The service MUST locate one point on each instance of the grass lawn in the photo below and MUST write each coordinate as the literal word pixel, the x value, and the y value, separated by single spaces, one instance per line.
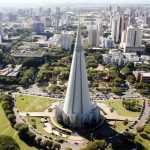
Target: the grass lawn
pixel 39 126
pixel 144 142
pixel 120 126
pixel 117 105
pixel 28 103
pixel 6 129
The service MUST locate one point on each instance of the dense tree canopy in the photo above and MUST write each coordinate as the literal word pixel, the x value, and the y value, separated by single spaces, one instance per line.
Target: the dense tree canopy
pixel 98 145
pixel 8 143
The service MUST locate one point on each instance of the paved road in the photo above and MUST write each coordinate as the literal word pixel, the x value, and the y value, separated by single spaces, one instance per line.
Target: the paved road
pixel 144 115
pixel 79 145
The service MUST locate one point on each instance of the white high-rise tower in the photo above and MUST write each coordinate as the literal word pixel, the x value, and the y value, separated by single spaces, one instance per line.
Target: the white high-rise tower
pixel 134 36
pixel 78 109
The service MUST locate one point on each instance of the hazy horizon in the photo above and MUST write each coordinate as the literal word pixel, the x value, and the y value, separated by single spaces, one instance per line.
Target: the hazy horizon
pixel 18 3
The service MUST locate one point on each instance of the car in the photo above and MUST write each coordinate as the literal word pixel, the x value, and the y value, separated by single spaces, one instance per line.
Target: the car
pixel 76 143
pixel 130 127
pixel 127 130
pixel 45 136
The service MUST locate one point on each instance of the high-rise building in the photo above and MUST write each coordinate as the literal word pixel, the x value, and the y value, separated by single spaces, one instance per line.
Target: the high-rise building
pixel 99 24
pixel 119 28
pixel 66 40
pixel 58 13
pixel 114 29
pixel 38 27
pixel 48 12
pixel 122 23
pixel 132 21
pixel 147 21
pixel 36 18
pixel 12 17
pixel 134 40
pixel 78 110
pixel 47 22
pixel 108 42
pixel 119 24
pixel 123 38
pixel 93 37
pixel 134 36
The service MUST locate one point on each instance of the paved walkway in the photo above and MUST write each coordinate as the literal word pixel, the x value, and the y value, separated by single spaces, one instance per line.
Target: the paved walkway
pixel 146 112
pixel 35 114
pixel 113 115
pixel 75 144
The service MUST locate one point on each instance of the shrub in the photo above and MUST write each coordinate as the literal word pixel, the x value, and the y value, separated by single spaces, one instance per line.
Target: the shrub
pixel 125 122
pixel 139 129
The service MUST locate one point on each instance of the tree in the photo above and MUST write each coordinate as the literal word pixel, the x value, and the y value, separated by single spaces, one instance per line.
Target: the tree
pixel 7 105
pixel 22 130
pixel 56 146
pixel 130 136
pixel 27 77
pixel 6 97
pixel 64 75
pixel 97 145
pixel 31 136
pixel 116 90
pixel 38 140
pixel 48 144
pixel 132 104
pixel 118 80
pixel 130 65
pixel 126 71
pixel 131 78
pixel 140 129
pixel 12 118
pixel 30 62
pixel 68 148
pixel 126 121
pixel 8 143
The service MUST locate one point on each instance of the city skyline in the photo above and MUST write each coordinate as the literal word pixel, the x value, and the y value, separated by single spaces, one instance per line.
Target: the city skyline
pixel 74 74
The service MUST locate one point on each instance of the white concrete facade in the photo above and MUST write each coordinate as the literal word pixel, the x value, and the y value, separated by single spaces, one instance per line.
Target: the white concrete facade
pixel 66 40
pixel 93 37
pixel 134 37
pixel 77 107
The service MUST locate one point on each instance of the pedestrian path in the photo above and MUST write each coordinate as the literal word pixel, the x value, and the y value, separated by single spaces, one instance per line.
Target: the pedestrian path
pixel 113 115
pixel 35 114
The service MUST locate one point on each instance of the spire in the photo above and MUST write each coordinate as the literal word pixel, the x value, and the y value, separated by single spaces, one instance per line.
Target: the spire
pixel 78 43
pixel 77 99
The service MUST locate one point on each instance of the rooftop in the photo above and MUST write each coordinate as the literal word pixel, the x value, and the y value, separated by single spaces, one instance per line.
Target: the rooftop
pixel 146 74
pixel 9 71
pixel 25 53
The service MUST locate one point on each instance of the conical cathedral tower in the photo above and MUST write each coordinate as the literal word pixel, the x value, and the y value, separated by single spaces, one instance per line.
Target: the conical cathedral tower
pixel 77 97
pixel 78 109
